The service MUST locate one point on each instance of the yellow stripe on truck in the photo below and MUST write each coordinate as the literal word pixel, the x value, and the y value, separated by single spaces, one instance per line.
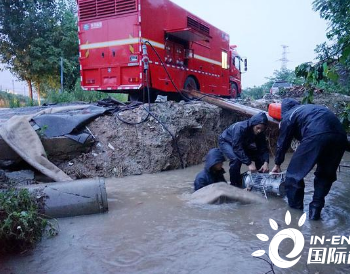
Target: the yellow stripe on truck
pixel 196 56
pixel 110 43
pixel 136 40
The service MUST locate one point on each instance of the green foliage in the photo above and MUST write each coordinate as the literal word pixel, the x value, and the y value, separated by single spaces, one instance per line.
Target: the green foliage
pixel 345 117
pixel 254 93
pixel 42 130
pixel 8 100
pixel 284 75
pixel 21 224
pixel 337 13
pixel 279 75
pixel 336 54
pixel 78 94
pixel 312 74
pixel 34 34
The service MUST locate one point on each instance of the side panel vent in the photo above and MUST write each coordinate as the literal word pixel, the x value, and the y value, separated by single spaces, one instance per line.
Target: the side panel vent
pixel 194 24
pixel 125 6
pixel 105 8
pixel 93 9
pixel 87 9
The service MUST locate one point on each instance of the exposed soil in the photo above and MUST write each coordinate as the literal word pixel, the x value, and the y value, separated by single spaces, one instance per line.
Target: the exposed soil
pixel 123 149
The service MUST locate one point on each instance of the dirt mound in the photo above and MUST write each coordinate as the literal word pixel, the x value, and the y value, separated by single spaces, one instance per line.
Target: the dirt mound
pixel 122 149
pixel 334 101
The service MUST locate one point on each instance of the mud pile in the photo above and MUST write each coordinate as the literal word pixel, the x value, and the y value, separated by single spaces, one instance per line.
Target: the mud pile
pixel 122 149
pixel 334 101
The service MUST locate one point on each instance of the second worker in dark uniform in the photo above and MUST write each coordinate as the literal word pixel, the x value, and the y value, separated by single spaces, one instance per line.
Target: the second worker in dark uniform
pixel 244 142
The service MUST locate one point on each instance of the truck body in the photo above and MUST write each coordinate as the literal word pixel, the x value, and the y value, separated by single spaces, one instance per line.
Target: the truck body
pixel 127 44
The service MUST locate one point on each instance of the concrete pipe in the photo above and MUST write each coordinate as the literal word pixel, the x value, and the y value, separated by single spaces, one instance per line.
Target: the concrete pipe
pixel 71 198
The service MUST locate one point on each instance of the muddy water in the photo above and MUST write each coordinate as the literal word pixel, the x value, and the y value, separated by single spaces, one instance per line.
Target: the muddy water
pixel 151 228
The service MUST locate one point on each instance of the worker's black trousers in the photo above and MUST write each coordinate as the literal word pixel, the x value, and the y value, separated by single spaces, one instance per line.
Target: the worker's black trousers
pixel 235 163
pixel 325 150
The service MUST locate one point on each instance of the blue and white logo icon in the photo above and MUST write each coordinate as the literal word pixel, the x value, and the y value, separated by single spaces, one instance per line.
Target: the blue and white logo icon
pixel 290 233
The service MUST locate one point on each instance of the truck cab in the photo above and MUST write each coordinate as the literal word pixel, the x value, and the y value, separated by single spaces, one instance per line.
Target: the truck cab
pixel 238 65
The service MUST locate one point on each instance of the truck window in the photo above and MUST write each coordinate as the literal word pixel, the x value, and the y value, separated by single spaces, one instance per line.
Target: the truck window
pixel 224 60
pixel 237 62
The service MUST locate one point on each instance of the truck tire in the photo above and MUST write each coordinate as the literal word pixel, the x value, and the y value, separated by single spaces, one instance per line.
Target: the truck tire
pixel 233 90
pixel 191 84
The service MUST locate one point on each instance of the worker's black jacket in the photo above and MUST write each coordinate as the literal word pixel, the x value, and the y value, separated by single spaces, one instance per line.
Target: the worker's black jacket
pixel 303 122
pixel 208 176
pixel 243 141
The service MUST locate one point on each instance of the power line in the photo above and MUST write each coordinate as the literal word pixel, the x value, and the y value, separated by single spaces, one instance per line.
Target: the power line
pixel 284 60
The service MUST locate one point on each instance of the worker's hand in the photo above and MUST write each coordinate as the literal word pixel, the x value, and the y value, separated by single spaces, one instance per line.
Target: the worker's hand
pixel 252 167
pixel 264 168
pixel 276 169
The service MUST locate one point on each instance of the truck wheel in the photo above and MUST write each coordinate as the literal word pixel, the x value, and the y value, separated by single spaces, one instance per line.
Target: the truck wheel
pixel 191 84
pixel 233 90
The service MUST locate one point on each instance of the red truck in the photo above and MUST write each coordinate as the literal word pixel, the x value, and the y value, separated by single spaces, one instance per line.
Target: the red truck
pixel 127 44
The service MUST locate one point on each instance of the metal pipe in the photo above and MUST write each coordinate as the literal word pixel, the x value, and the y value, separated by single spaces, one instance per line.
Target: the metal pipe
pixel 71 198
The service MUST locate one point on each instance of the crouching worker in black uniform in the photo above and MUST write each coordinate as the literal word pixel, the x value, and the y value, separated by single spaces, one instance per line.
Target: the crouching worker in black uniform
pixel 213 171
pixel 322 142
pixel 245 142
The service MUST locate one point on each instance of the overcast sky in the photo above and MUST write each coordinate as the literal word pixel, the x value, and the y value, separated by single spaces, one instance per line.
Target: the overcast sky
pixel 259 28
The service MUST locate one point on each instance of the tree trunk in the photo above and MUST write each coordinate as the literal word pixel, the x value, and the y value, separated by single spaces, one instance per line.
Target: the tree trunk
pixel 38 91
pixel 29 83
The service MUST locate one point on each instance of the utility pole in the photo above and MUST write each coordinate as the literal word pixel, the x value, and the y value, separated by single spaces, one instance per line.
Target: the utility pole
pixel 284 58
pixel 13 86
pixel 61 74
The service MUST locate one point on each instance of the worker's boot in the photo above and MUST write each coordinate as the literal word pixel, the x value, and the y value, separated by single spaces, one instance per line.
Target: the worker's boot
pixel 314 213
pixel 296 198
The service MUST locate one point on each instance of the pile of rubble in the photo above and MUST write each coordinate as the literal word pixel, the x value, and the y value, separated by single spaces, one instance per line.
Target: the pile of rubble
pixel 334 101
pixel 122 149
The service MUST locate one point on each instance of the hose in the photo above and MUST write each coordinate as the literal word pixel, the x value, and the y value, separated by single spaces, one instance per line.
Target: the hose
pixel 149 113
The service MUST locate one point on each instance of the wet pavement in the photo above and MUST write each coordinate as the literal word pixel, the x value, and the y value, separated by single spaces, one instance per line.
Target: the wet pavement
pixel 152 228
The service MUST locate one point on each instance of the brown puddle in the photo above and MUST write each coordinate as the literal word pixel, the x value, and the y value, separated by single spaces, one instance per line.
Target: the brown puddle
pixel 151 228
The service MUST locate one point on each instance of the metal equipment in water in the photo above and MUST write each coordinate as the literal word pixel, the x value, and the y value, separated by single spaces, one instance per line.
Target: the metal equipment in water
pixel 268 184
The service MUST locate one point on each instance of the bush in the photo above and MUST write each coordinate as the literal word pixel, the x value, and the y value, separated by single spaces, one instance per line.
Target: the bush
pixel 254 93
pixel 8 100
pixel 345 117
pixel 21 224
pixel 78 94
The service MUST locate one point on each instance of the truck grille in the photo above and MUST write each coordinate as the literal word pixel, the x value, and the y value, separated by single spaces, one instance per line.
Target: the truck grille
pixel 194 24
pixel 92 9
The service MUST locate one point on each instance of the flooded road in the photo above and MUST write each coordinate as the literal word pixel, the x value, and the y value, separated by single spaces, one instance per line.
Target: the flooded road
pixel 151 228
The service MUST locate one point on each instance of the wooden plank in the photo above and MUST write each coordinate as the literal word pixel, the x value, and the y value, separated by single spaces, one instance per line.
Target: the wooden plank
pixel 229 105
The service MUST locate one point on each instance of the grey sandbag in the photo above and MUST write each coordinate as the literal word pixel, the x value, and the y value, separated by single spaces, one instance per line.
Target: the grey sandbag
pixel 222 192
pixel 71 198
